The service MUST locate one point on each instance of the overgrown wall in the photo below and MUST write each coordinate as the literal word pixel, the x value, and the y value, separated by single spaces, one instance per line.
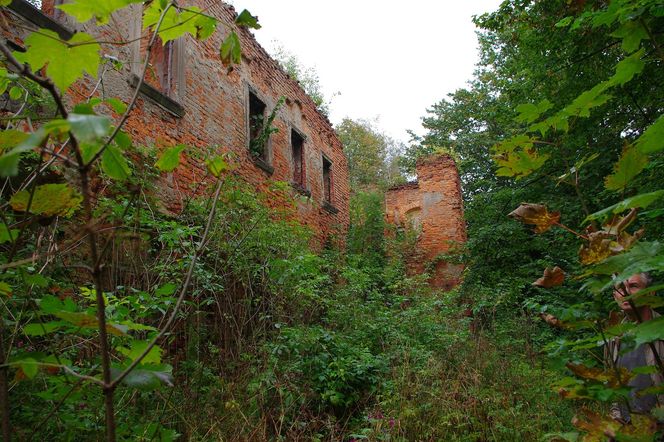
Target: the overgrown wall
pixel 206 108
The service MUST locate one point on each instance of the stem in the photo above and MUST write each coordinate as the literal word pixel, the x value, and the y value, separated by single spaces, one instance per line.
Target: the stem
pixel 563 226
pixel 108 389
pixel 4 392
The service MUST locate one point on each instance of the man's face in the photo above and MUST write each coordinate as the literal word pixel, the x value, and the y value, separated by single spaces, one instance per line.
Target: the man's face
pixel 632 285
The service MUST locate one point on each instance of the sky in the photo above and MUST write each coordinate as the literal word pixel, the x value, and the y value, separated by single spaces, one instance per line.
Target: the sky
pixel 388 60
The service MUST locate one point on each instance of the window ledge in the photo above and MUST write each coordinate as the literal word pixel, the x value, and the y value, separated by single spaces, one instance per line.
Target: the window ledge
pixel 34 15
pixel 262 164
pixel 330 208
pixel 301 190
pixel 158 97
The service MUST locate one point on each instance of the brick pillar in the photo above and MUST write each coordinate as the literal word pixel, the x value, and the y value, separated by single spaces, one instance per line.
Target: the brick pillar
pixel 434 206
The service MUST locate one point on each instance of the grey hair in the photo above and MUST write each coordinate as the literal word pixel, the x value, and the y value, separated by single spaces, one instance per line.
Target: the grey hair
pixel 647 278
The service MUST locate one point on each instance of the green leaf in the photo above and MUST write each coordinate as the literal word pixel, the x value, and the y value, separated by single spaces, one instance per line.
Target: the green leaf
pixel 114 164
pixel 247 20
pixel 84 10
pixel 649 331
pixel 175 25
pixel 630 164
pixel 230 52
pixel 146 377
pixel 166 289
pixel 15 93
pixel 170 158
pixel 9 158
pixel 50 304
pixel 46 49
pixel 642 200
pixel 642 257
pixel 29 366
pixel 122 140
pixel 85 320
pixel 117 105
pixel 628 68
pixel 5 289
pixel 5 2
pixel 530 112
pixel 217 166
pixel 631 33
pixel 652 140
pixel 89 128
pixel 564 22
pixel 594 97
pixel 48 200
pixel 136 348
pixel 38 329
pixel 204 25
pixel 89 150
pixel 10 138
pixel 7 235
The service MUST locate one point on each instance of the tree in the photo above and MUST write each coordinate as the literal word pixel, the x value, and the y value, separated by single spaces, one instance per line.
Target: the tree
pixel 566 103
pixel 306 76
pixel 372 155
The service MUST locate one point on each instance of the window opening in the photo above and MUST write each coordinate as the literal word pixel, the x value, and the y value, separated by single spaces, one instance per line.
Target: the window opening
pixel 327 180
pixel 160 69
pixel 256 120
pixel 297 147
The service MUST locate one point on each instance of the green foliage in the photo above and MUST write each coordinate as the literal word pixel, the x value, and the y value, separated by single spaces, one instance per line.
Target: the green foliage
pixel 258 144
pixel 47 200
pixel 307 77
pixel 85 10
pixel 372 156
pixel 44 48
pixel 170 158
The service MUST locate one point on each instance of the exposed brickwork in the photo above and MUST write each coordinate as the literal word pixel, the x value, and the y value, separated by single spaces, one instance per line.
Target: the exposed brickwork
pixel 216 117
pixel 433 206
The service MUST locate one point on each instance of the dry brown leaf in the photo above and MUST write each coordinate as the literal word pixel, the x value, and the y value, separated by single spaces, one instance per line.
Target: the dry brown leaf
pixel 552 320
pixel 597 249
pixel 536 214
pixel 552 277
pixel 612 378
pixel 599 427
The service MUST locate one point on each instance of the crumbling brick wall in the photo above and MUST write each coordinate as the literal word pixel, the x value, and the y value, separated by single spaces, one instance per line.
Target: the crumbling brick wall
pixel 433 208
pixel 206 107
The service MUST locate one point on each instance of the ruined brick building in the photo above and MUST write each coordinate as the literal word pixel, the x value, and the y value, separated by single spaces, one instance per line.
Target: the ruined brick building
pixel 432 209
pixel 190 98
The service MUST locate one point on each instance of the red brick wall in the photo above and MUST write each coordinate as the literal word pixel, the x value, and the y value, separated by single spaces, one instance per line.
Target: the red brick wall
pixel 215 121
pixel 434 207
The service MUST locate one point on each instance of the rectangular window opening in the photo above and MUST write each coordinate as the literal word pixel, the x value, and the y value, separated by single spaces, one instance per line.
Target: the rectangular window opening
pixel 257 144
pixel 160 69
pixel 297 146
pixel 327 180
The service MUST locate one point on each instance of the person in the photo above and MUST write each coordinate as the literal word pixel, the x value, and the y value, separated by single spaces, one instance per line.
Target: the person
pixel 641 356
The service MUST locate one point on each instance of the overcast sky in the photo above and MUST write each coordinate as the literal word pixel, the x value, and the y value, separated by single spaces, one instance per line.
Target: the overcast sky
pixel 388 59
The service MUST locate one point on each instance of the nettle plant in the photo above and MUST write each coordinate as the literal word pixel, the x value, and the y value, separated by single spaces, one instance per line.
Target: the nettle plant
pixel 51 149
pixel 610 249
